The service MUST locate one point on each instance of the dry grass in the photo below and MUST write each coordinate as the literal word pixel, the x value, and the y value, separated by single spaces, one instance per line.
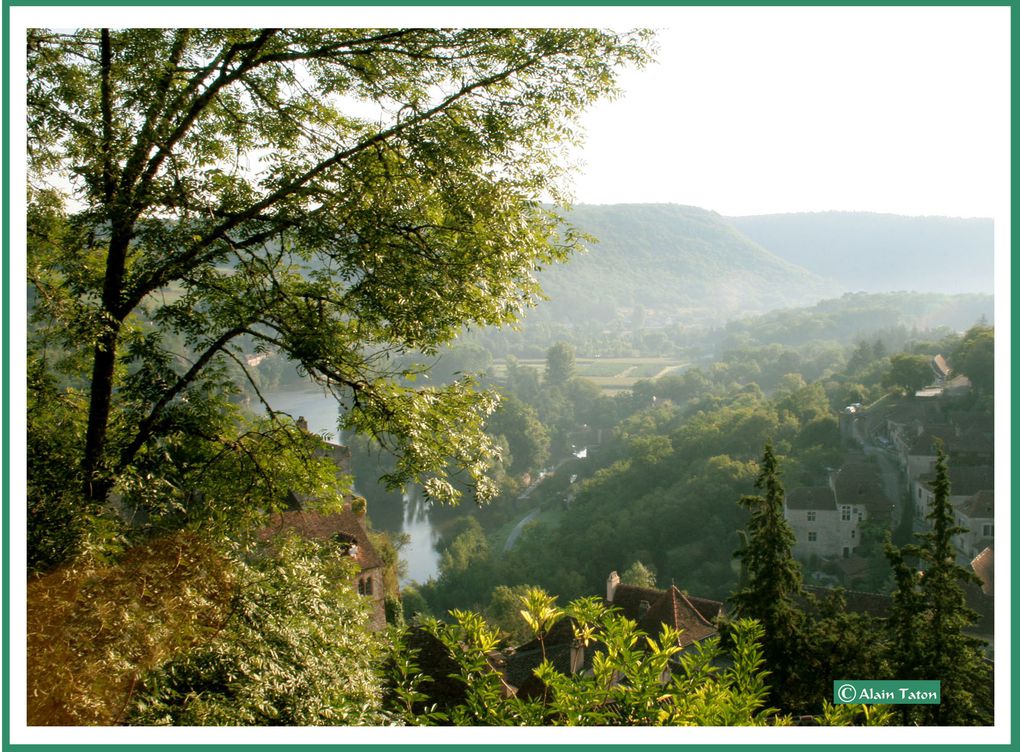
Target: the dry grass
pixel 93 631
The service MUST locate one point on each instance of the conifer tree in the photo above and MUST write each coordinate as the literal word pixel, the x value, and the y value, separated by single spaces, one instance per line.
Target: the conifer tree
pixel 930 614
pixel 772 582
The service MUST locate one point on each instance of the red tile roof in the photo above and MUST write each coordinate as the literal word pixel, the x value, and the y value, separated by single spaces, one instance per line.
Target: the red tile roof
pixel 692 616
pixel 984 567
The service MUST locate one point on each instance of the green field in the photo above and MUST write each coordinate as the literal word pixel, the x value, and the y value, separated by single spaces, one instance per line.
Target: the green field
pixel 610 374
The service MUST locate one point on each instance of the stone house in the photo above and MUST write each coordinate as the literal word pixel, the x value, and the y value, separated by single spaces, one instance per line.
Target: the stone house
pixel 858 482
pixel 823 528
pixel 977 514
pixel 346 529
pixel 965 481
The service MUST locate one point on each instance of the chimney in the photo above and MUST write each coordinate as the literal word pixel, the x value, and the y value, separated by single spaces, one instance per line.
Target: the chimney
pixel 302 423
pixel 611 583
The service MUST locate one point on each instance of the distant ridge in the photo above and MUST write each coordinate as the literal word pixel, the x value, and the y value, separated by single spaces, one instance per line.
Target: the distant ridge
pixel 870 252
pixel 680 261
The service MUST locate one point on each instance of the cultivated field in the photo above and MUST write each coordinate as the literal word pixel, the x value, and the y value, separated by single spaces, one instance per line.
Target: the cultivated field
pixel 610 374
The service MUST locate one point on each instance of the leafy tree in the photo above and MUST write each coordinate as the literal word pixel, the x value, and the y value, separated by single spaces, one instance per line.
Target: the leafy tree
pixel 771 582
pixel 933 603
pixel 638 575
pixel 294 650
pixel 635 680
pixel 975 357
pixel 526 437
pixel 840 644
pixel 504 612
pixel 908 372
pixel 338 196
pixel 413 603
pixel 559 364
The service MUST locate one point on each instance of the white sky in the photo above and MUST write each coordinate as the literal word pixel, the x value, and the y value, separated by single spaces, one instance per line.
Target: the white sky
pixel 755 111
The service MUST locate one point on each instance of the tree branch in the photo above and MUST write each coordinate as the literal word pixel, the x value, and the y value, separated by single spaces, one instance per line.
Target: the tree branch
pixel 148 424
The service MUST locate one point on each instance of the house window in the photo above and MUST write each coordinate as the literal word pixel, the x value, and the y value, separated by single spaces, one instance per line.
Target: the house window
pixel 845 509
pixel 365 586
pixel 988 530
pixel 919 493
pixel 810 516
pixel 812 536
pixel 853 533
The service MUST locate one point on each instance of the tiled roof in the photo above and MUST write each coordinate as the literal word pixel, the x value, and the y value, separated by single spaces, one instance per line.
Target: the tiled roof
pixel 984 567
pixel 318 526
pixel 966 480
pixel 810 497
pixel 676 610
pixel 628 599
pixel 692 616
pixel 980 506
pixel 860 482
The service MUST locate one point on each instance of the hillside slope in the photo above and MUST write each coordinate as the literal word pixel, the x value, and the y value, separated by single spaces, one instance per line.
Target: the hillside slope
pixel 674 261
pixel 881 252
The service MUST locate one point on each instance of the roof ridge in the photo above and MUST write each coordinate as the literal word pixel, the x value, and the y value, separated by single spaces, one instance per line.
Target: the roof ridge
pixel 675 591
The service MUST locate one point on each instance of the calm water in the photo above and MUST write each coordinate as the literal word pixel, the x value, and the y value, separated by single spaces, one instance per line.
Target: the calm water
pixel 320 410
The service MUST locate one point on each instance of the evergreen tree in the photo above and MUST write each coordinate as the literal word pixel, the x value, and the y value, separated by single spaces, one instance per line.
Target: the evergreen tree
pixel 772 583
pixel 930 614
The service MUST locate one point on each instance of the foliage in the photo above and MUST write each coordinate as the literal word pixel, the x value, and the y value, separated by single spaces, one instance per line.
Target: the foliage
pixel 295 649
pixel 342 197
pixel 771 582
pixel 94 628
pixel 635 679
pixel 975 357
pixel 559 364
pixel 540 613
pixel 908 372
pixel 638 575
pixel 932 601
pixel 526 436
pixel 860 714
pixel 840 644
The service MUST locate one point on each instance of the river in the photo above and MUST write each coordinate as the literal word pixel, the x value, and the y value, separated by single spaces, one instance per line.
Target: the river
pixel 320 410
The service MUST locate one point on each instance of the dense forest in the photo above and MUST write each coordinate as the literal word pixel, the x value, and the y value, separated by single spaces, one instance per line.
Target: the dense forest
pixel 196 556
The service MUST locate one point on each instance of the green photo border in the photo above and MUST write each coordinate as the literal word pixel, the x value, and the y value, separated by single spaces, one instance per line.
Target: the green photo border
pixel 6 340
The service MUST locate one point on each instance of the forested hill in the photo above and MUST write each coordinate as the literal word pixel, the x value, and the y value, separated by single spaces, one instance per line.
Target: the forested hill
pixel 867 252
pixel 675 261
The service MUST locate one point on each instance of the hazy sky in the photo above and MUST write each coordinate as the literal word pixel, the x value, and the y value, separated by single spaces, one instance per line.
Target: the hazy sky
pixel 754 111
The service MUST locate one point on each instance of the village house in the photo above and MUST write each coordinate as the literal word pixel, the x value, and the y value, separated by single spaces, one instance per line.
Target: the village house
pixel 345 529
pixel 965 481
pixel 695 618
pixel 976 514
pixel 822 527
pixel 858 482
